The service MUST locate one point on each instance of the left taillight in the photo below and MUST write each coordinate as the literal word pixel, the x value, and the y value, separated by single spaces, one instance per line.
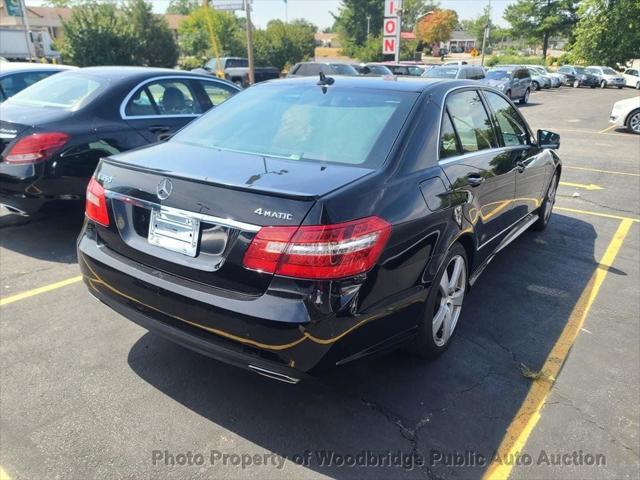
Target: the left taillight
pixel 96 204
pixel 36 147
pixel 324 252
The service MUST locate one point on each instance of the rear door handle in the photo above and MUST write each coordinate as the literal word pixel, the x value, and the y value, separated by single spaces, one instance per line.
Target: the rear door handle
pixel 475 180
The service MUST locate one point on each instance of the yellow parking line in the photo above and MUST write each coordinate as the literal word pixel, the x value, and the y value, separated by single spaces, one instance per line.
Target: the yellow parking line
pixel 605 130
pixel 597 214
pixel 584 186
pixel 3 474
pixel 529 413
pixel 564 167
pixel 38 291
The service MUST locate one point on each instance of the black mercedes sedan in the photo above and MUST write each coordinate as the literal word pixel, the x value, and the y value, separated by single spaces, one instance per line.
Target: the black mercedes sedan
pixel 53 134
pixel 308 223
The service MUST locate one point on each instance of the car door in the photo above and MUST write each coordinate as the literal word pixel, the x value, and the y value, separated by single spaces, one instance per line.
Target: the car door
pixel 531 170
pixel 476 165
pixel 160 107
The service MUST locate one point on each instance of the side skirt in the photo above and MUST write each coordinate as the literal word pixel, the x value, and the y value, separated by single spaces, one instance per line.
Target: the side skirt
pixel 517 230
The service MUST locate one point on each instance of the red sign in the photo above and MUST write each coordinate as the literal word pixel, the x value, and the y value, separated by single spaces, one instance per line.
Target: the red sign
pixel 389 45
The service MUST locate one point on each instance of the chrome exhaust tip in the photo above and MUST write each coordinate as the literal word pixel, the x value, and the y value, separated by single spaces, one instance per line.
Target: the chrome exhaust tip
pixel 274 375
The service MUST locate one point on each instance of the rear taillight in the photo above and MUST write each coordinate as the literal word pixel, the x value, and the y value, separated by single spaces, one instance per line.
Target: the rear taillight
pixel 96 205
pixel 36 147
pixel 319 252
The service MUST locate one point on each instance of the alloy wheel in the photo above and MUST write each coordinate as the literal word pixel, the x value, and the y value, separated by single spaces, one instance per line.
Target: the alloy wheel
pixel 576 83
pixel 634 122
pixel 551 199
pixel 449 302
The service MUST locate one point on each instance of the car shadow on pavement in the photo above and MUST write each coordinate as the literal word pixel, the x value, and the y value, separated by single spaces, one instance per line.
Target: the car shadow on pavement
pixel 458 404
pixel 47 236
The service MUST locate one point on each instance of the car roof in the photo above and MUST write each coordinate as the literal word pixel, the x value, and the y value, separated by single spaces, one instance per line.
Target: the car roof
pixel 403 84
pixel 122 73
pixel 12 67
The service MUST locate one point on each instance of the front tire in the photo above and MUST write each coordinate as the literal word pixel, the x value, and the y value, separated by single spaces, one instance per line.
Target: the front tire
pixel 576 84
pixel 544 212
pixel 525 99
pixel 603 84
pixel 443 305
pixel 535 86
pixel 638 86
pixel 633 121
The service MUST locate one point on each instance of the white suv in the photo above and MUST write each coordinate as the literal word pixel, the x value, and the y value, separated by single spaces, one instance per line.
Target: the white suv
pixel 608 76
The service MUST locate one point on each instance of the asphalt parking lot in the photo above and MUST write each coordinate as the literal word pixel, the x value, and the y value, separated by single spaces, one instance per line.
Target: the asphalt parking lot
pixel 543 371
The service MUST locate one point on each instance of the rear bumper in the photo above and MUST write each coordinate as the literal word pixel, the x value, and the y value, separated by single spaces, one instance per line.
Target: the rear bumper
pixel 244 332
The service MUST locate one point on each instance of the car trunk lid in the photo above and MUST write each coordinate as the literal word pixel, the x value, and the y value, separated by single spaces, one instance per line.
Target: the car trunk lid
pixel 192 212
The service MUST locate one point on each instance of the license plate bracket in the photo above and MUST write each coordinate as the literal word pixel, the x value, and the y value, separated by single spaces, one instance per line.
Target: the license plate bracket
pixel 174 231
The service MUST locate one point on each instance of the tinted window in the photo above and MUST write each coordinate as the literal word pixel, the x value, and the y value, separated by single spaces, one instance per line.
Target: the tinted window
pixel 593 71
pixel 511 126
pixel 236 63
pixel 308 69
pixel 342 69
pixel 522 73
pixel 498 75
pixel 442 72
pixel 448 141
pixel 12 84
pixel 298 123
pixel 172 97
pixel 217 92
pixel 609 71
pixel 65 91
pixel 579 70
pixel 471 121
pixel 380 70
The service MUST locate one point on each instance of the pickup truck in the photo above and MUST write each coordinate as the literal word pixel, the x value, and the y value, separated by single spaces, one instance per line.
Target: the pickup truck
pixel 236 70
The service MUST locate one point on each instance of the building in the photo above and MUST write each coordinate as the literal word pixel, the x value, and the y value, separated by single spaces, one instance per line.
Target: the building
pixel 50 19
pixel 461 41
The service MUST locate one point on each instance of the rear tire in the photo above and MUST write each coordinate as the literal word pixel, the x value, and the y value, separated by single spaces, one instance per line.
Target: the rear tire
pixel 619 87
pixel 545 210
pixel 576 84
pixel 638 86
pixel 633 121
pixel 535 86
pixel 508 94
pixel 603 84
pixel 443 305
pixel 525 99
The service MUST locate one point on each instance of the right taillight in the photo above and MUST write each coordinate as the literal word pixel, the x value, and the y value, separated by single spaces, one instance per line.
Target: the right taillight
pixel 96 204
pixel 36 147
pixel 324 252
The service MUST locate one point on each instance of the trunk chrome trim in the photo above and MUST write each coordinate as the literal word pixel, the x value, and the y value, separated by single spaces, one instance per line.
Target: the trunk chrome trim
pixel 225 222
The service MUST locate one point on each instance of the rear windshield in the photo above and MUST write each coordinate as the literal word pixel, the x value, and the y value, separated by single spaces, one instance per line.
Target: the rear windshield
pixel 302 122
pixel 497 74
pixel 67 91
pixel 442 72
pixel 237 63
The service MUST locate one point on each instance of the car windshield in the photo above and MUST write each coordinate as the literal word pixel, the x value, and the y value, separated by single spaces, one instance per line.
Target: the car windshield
pixel 237 63
pixel 65 91
pixel 380 70
pixel 344 69
pixel 609 71
pixel 302 122
pixel 442 72
pixel 580 70
pixel 497 74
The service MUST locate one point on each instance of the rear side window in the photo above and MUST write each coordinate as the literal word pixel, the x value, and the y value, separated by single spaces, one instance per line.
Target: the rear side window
pixel 448 141
pixel 512 127
pixel 164 98
pixel 217 92
pixel 471 121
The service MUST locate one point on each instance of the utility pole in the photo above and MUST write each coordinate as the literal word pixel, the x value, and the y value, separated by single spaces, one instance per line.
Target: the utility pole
pixel 487 33
pixel 398 37
pixel 247 5
pixel 368 25
pixel 27 29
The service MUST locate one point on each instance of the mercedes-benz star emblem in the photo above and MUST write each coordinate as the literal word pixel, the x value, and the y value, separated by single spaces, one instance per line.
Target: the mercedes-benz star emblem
pixel 165 187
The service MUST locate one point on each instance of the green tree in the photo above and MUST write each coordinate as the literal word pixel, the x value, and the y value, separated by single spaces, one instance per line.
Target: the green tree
pixel 539 20
pixel 351 23
pixel 282 44
pixel 182 7
pixel 96 34
pixel 153 42
pixel 477 27
pixel 608 32
pixel 208 32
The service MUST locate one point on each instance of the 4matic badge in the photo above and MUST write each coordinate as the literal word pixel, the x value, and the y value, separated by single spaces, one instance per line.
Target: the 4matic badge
pixel 273 214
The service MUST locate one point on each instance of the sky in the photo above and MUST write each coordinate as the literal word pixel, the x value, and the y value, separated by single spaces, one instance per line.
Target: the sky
pixel 318 11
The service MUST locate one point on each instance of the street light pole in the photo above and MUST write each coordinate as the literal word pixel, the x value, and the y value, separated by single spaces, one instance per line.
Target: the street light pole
pixel 398 30
pixel 247 4
pixel 368 25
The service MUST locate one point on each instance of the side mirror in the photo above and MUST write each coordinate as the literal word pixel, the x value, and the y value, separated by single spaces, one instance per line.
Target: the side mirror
pixel 547 139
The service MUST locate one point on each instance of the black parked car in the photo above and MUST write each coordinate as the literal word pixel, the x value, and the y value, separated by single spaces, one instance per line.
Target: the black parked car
pixel 306 224
pixel 576 77
pixel 53 134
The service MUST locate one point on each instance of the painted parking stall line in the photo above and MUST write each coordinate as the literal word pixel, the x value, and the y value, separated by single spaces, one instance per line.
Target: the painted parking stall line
pixel 37 291
pixel 529 414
